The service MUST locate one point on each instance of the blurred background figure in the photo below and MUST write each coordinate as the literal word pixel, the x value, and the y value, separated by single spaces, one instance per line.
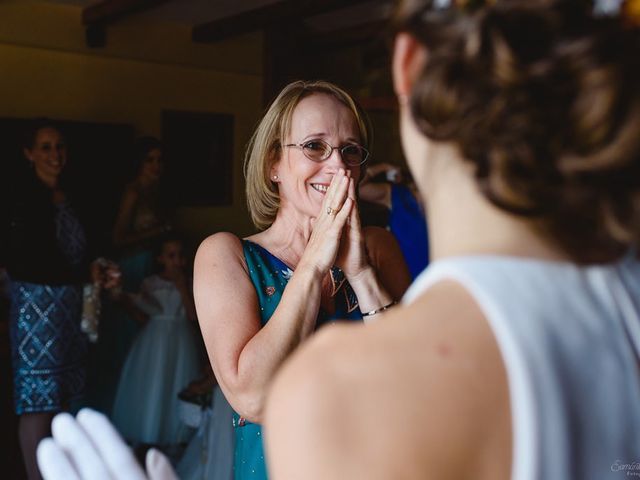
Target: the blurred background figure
pixel 386 187
pixel 140 221
pixel 44 249
pixel 141 217
pixel 209 454
pixel 163 358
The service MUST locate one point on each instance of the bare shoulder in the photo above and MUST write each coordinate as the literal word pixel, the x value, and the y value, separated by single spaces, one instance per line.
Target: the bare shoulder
pixel 219 271
pixel 219 246
pixel 377 236
pixel 386 257
pixel 420 393
pixel 130 195
pixel 131 190
pixel 380 242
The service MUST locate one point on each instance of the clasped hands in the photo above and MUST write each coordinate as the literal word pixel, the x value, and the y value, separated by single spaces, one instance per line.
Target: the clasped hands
pixel 336 238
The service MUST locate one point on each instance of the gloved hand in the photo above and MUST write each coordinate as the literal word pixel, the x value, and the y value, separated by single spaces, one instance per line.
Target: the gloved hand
pixel 88 447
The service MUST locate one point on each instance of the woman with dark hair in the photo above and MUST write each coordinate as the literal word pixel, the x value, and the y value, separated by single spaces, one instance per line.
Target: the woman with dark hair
pixel 140 218
pixel 140 222
pixel 44 249
pixel 516 353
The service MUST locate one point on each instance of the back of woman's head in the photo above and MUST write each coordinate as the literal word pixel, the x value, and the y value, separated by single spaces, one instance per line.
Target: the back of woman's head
pixel 266 143
pixel 542 97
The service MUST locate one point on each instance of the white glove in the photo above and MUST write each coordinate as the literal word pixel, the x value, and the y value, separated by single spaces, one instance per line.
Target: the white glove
pixel 88 447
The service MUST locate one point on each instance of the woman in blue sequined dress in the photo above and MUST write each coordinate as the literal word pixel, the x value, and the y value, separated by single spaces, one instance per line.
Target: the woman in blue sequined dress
pixel 44 248
pixel 258 298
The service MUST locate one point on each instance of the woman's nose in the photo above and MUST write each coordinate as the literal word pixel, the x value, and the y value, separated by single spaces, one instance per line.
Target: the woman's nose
pixel 335 159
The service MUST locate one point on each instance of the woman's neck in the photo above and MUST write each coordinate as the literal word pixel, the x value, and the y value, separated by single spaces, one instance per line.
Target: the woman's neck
pixel 463 222
pixel 51 181
pixel 146 182
pixel 287 237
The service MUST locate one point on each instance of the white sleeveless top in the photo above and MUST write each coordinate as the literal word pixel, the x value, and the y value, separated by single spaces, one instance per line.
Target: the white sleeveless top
pixel 569 339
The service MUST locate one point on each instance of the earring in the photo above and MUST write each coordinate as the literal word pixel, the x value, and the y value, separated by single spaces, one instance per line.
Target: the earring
pixel 275 177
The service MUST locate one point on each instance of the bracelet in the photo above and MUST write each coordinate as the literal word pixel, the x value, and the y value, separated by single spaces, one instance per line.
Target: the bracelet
pixel 381 309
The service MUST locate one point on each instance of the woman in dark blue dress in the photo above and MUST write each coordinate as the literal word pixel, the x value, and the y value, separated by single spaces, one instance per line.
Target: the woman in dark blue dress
pixel 44 250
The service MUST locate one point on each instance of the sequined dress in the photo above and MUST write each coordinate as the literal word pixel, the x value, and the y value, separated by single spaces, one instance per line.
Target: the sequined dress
pixel 48 349
pixel 270 276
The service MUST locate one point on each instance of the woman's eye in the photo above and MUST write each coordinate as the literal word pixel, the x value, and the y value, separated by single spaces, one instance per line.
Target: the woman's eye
pixel 351 150
pixel 313 145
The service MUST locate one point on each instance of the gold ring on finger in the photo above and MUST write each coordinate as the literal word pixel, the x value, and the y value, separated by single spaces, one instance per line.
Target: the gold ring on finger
pixel 331 211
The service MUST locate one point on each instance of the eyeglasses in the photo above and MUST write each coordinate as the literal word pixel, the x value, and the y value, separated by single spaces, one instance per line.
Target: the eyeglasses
pixel 319 150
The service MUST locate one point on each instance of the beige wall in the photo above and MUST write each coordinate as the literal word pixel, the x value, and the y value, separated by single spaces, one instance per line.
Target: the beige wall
pixel 63 79
pixel 59 27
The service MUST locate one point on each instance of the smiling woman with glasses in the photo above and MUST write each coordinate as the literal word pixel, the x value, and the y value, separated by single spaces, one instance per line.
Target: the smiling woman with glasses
pixel 259 297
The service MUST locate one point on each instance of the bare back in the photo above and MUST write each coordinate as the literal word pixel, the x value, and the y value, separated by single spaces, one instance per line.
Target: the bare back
pixel 398 394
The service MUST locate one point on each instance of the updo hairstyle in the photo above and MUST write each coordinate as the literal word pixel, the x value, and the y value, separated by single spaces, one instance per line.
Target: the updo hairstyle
pixel 543 98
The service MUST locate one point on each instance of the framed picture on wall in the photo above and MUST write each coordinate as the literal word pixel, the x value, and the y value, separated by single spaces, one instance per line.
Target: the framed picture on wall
pixel 198 152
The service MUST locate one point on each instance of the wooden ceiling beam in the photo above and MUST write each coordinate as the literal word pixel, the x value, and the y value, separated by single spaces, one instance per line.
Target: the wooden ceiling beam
pixel 110 11
pixel 276 13
pixel 375 31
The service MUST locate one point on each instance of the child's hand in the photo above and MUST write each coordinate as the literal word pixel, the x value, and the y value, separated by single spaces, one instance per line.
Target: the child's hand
pixel 112 276
pixel 105 273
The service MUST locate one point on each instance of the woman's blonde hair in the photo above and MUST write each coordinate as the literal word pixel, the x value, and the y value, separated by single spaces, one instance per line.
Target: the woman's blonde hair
pixel 265 145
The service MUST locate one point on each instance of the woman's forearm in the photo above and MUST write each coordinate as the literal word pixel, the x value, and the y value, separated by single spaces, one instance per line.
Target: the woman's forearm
pixel 293 320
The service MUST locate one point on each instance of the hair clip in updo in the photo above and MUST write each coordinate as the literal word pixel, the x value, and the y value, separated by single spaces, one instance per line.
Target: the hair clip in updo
pixel 461 4
pixel 627 10
pixel 441 4
pixel 607 8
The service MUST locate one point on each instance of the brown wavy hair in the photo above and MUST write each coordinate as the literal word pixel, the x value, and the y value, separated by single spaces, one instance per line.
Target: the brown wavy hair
pixel 542 97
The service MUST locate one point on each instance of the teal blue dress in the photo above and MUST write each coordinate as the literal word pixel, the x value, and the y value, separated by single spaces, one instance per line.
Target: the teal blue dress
pixel 270 276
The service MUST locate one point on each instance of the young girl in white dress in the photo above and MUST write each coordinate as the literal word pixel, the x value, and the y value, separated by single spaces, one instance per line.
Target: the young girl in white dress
pixel 163 358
